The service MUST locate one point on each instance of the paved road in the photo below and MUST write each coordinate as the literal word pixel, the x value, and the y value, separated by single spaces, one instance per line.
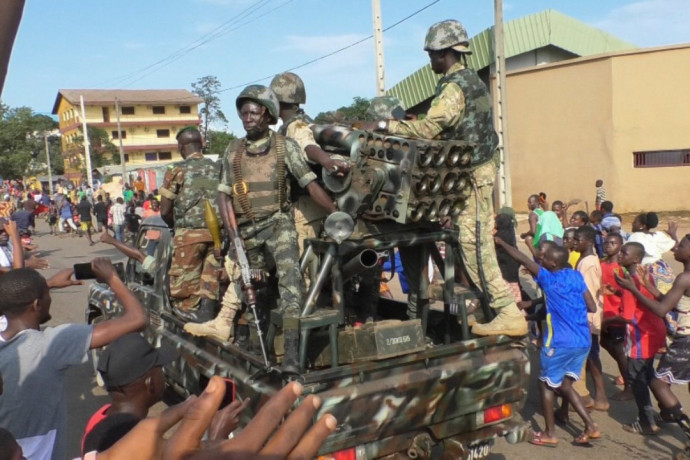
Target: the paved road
pixel 85 397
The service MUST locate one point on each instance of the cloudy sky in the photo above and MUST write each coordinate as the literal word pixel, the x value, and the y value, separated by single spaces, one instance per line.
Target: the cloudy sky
pixel 170 43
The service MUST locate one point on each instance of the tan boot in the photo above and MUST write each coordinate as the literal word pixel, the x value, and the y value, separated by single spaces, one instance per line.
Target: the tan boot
pixel 509 321
pixel 221 328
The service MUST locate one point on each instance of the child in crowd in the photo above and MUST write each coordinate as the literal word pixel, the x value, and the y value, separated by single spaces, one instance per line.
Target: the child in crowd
pixel 601 194
pixel 568 340
pixel 579 219
pixel 613 337
pixel 569 244
pixel 590 268
pixel 645 335
pixel 673 366
pixel 595 222
pixel 53 218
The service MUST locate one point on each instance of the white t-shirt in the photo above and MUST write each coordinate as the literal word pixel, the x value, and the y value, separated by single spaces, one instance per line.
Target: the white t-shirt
pixel 655 245
pixel 33 406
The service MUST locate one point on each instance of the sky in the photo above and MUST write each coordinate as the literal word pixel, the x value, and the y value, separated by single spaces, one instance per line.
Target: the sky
pixel 161 44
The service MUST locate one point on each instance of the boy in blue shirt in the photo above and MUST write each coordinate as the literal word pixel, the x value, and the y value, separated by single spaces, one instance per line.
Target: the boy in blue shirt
pixel 567 340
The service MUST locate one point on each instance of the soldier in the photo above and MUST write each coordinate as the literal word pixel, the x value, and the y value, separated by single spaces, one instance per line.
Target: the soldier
pixel 461 110
pixel 290 91
pixel 194 266
pixel 255 182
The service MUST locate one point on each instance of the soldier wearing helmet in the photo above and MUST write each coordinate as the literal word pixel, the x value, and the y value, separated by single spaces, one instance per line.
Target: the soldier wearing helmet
pixel 255 180
pixel 289 88
pixel 186 186
pixel 461 110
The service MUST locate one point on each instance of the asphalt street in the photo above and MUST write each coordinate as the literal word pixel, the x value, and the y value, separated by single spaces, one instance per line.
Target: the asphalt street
pixel 85 397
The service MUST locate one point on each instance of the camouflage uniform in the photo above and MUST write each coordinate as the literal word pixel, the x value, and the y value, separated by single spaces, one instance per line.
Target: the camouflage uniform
pixel 193 266
pixel 461 110
pixel 384 108
pixel 270 238
pixel 308 215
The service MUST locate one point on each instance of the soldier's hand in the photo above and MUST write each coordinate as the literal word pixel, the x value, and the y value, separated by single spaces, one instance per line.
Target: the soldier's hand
pixel 222 275
pixel 338 168
pixel 103 269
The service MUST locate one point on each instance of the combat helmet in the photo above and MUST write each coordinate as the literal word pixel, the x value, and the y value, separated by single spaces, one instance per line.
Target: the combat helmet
pixel 447 34
pixel 383 108
pixel 289 88
pixel 262 95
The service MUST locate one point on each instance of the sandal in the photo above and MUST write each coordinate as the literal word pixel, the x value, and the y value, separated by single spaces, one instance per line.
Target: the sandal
pixel 586 436
pixel 538 440
pixel 637 428
pixel 619 381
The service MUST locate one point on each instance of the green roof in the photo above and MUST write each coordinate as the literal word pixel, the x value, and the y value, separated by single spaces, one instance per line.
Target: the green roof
pixel 522 35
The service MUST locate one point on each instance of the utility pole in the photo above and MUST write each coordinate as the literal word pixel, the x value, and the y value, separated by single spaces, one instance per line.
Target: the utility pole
pixel 119 137
pixel 87 147
pixel 505 197
pixel 50 168
pixel 378 48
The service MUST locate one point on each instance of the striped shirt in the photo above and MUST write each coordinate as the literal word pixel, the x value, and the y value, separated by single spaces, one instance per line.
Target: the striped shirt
pixel 118 212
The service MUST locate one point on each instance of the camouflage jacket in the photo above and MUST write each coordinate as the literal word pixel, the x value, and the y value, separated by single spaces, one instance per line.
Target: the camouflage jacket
pixel 188 184
pixel 461 110
pixel 298 129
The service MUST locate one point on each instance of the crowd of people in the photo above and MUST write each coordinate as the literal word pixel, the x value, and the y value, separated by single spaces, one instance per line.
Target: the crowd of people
pixel 602 287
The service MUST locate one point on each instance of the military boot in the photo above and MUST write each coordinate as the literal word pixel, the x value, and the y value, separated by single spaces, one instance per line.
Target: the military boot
pixel 290 363
pixel 221 328
pixel 508 321
pixel 205 312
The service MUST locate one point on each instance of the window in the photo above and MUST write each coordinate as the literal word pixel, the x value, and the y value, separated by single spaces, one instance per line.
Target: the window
pixel 124 134
pixel 127 110
pixel 163 156
pixel 106 114
pixel 126 157
pixel 185 109
pixel 151 156
pixel 163 133
pixel 661 158
pixel 158 110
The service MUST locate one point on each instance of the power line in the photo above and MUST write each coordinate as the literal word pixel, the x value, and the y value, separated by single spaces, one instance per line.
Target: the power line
pixel 332 53
pixel 219 31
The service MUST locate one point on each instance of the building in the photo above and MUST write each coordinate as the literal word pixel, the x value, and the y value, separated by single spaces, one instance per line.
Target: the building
pixel 583 105
pixel 149 122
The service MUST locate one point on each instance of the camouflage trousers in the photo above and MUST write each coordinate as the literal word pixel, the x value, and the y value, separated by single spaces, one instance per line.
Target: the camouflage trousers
pixel 271 242
pixel 481 202
pixel 193 269
pixel 481 198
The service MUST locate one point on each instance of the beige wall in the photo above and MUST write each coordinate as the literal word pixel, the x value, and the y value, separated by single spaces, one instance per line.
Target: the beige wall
pixel 573 123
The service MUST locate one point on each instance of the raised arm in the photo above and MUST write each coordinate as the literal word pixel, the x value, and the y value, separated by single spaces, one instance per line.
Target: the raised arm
pixel 18 252
pixel 667 303
pixel 528 263
pixel 129 251
pixel 133 318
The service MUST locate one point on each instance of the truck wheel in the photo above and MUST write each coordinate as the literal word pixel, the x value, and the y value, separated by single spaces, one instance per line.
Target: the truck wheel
pixel 96 354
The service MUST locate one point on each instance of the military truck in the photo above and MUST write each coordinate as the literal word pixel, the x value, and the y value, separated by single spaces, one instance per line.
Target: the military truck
pixel 399 387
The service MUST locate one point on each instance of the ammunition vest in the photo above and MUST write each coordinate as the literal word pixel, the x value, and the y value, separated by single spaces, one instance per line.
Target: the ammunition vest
pixel 477 125
pixel 200 183
pixel 259 181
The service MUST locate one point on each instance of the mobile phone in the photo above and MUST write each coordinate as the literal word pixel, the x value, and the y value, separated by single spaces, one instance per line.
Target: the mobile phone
pixel 85 272
pixel 229 393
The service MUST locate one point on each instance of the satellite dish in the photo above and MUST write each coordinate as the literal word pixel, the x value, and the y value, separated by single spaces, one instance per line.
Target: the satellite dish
pixel 339 226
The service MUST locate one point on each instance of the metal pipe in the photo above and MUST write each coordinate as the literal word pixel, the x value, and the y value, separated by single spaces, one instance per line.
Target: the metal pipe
pixel 317 285
pixel 366 259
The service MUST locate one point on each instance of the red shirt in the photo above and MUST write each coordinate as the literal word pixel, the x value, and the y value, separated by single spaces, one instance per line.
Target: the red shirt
pixel 647 332
pixel 93 421
pixel 612 303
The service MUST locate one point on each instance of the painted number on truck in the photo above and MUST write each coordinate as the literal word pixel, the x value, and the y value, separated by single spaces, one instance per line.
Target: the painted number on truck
pixel 398 340
pixel 479 451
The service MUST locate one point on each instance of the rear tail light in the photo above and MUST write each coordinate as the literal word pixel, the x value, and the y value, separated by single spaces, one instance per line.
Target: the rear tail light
pixel 347 454
pixel 494 414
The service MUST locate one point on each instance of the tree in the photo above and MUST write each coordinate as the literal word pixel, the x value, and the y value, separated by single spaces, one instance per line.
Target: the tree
pixel 103 151
pixel 207 88
pixel 21 141
pixel 357 111
pixel 217 141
